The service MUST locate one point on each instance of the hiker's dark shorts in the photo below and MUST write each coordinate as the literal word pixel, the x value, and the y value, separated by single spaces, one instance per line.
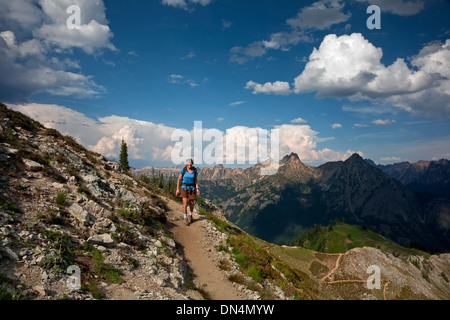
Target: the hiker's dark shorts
pixel 184 194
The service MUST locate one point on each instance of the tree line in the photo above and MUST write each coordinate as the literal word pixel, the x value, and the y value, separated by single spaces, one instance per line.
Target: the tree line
pixel 166 183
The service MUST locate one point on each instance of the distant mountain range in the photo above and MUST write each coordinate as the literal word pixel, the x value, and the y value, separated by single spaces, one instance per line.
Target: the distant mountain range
pixel 406 202
pixel 423 176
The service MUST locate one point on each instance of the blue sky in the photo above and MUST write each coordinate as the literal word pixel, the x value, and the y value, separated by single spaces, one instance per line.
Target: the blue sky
pixel 138 70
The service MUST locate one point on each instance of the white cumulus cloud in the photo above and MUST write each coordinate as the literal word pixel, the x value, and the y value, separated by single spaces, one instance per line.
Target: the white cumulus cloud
pixel 434 101
pixel 94 33
pixel 103 135
pixel 35 46
pixel 304 141
pixel 349 66
pixel 383 122
pixel 320 15
pixel 277 87
pixel 298 120
pixel 390 159
pixel 336 126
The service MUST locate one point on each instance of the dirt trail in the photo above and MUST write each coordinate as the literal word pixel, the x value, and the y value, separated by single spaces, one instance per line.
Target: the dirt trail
pixel 353 280
pixel 333 270
pixel 198 251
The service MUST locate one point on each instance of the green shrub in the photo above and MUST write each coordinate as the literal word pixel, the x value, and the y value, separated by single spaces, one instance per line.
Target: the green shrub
pixel 52 217
pixel 255 274
pixel 72 171
pixel 8 205
pixel 104 270
pixel 84 191
pixel 74 144
pixel 55 261
pixel 7 294
pixel 61 198
pixel 57 237
pixel 53 133
pixel 145 179
pixel 129 214
pixel 241 259
pixel 18 119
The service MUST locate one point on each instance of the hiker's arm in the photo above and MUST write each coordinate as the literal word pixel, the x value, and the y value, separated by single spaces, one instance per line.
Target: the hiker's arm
pixel 196 186
pixel 178 184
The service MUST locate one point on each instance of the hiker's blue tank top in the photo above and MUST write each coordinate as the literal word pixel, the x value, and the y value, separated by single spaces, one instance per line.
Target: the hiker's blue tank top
pixel 189 178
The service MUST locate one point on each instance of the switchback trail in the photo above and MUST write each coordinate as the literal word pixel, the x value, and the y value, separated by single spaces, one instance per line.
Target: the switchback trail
pixel 338 260
pixel 198 251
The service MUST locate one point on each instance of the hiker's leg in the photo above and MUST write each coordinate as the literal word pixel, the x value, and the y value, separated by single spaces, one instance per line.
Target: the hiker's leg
pixel 185 203
pixel 191 210
pixel 191 205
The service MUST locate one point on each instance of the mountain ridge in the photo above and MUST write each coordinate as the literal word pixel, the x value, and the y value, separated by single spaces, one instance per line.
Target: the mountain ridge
pixel 353 189
pixel 423 176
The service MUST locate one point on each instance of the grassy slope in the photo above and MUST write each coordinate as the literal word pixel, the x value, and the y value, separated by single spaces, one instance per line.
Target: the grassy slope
pixel 255 260
pixel 298 270
pixel 342 237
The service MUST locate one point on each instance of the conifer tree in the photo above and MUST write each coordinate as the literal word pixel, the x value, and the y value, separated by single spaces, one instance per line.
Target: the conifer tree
pixel 124 156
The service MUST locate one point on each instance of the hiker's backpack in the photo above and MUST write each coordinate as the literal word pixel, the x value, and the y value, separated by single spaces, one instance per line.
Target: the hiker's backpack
pixel 184 171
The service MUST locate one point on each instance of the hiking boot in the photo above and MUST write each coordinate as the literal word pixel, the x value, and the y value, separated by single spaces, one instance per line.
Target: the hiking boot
pixel 187 221
pixel 191 218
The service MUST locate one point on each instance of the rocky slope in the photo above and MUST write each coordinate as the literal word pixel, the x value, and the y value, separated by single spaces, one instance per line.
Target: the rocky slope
pixel 63 206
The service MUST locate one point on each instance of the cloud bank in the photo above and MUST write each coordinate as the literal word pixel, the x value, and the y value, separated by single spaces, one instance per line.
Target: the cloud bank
pixel 349 66
pixel 153 142
pixel 35 44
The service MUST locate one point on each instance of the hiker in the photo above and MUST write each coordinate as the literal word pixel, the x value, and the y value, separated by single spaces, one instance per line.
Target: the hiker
pixel 189 189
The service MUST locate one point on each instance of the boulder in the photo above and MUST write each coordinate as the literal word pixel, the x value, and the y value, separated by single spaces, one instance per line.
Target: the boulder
pixel 96 210
pixel 80 214
pixel 40 290
pixel 128 196
pixel 104 240
pixel 9 253
pixel 32 165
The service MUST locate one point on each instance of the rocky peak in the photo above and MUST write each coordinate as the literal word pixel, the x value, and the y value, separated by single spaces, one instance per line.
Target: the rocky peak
pixel 293 157
pixel 355 159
